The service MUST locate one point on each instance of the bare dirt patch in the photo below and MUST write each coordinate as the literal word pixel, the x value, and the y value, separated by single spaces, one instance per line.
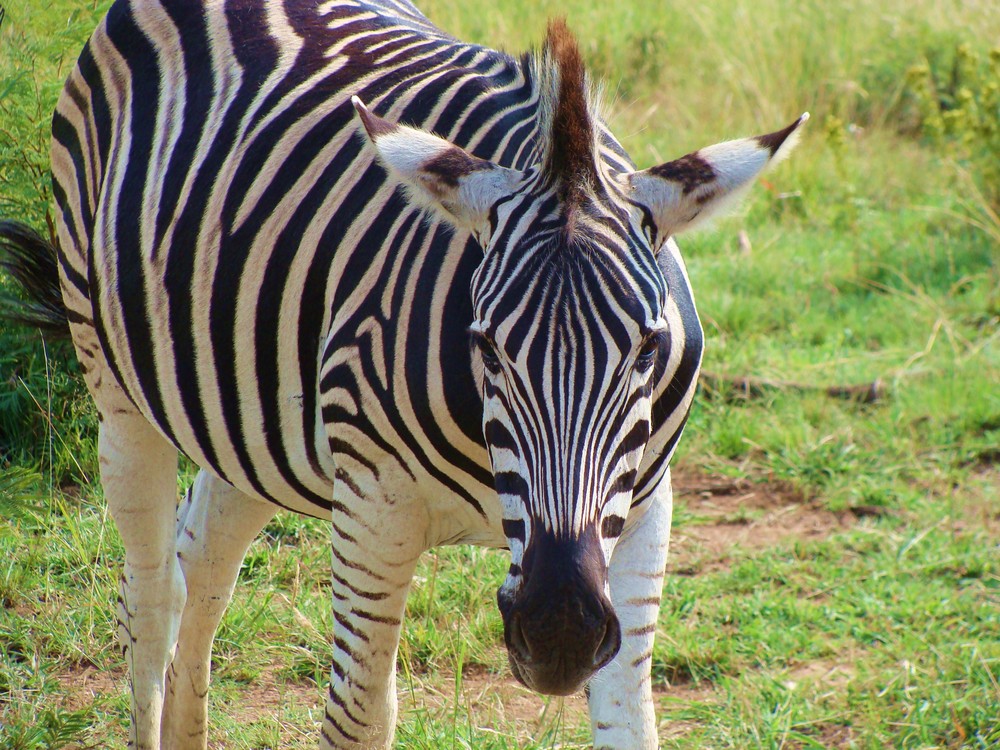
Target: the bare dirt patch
pixel 975 504
pixel 835 735
pixel 82 684
pixel 292 707
pixel 833 675
pixel 497 700
pixel 268 693
pixel 719 516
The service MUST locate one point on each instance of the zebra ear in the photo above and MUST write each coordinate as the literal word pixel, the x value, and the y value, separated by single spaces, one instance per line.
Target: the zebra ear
pixel 438 173
pixel 682 194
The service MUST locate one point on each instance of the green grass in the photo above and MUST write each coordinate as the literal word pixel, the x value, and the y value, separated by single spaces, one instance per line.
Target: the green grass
pixel 875 254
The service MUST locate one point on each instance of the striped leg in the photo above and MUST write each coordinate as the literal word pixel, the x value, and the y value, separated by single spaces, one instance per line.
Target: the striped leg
pixel 374 557
pixel 215 526
pixel 139 474
pixel 621 697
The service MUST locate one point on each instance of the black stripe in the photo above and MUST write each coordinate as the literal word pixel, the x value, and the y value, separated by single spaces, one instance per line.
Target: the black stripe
pixel 131 291
pixel 611 526
pixel 513 529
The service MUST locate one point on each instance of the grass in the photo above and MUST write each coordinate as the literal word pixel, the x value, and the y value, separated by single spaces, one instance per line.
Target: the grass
pixel 874 253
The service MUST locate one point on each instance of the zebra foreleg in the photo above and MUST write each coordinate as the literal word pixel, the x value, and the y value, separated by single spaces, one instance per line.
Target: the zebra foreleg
pixel 621 695
pixel 215 526
pixel 139 474
pixel 374 556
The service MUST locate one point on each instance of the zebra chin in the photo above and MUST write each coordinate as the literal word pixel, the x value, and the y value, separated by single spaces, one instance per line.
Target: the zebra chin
pixel 559 626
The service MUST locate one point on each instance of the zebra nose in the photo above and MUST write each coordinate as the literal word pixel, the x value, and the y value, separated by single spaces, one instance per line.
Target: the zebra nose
pixel 556 640
pixel 559 625
pixel 607 648
pixel 595 646
pixel 518 646
pixel 555 650
pixel 610 643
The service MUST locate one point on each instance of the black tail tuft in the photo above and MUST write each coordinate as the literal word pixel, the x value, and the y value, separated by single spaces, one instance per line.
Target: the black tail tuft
pixel 32 262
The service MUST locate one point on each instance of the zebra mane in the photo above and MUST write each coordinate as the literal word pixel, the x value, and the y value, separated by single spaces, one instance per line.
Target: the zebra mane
pixel 566 113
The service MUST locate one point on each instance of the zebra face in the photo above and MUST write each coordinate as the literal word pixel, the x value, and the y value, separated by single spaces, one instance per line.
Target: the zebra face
pixel 571 336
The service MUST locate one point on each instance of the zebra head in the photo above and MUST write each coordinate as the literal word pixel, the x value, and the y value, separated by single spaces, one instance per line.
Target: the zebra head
pixel 573 332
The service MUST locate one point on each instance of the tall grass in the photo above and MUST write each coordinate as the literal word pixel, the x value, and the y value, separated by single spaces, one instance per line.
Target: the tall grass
pixel 675 71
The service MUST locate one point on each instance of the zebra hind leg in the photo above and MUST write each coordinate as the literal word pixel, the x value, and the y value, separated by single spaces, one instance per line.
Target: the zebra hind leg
pixel 621 694
pixel 139 475
pixel 215 525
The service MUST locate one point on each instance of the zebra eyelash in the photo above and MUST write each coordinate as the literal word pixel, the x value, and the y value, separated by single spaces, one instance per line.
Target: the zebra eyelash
pixel 487 350
pixel 650 347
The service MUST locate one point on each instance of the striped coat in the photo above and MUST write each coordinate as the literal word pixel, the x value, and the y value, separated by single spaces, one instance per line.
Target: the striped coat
pixel 358 269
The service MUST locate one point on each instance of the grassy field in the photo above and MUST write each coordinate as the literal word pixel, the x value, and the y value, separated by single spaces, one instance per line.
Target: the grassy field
pixel 835 572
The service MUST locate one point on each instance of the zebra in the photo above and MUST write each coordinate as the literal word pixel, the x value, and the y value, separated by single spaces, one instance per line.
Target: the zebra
pixel 357 269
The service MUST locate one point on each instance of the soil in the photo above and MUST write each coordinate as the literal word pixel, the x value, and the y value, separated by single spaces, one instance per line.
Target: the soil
pixel 82 684
pixel 717 518
pixel 494 699
pixel 498 699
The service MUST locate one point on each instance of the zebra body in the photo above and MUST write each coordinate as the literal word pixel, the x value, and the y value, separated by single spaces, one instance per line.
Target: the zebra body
pixel 485 335
pixel 234 399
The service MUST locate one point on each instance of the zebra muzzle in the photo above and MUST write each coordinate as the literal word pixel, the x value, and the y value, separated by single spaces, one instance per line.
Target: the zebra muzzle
pixel 560 627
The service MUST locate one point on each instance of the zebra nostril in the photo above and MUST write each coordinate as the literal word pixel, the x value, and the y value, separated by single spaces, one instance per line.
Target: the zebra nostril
pixel 517 643
pixel 610 643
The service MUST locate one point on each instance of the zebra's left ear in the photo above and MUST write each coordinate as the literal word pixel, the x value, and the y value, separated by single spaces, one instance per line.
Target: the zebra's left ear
pixel 685 192
pixel 438 173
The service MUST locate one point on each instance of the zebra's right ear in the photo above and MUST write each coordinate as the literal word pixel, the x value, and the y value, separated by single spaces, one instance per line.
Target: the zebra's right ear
pixel 438 173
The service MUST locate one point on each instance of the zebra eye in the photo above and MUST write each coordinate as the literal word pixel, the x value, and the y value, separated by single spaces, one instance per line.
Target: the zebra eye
pixel 491 360
pixel 647 353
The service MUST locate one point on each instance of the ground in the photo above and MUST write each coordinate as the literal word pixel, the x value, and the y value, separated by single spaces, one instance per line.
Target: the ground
pixel 721 520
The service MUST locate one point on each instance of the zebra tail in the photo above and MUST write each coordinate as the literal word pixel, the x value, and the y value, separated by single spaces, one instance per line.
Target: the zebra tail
pixel 32 262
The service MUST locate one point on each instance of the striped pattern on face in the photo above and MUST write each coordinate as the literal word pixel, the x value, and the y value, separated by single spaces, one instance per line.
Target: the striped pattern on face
pixel 569 325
